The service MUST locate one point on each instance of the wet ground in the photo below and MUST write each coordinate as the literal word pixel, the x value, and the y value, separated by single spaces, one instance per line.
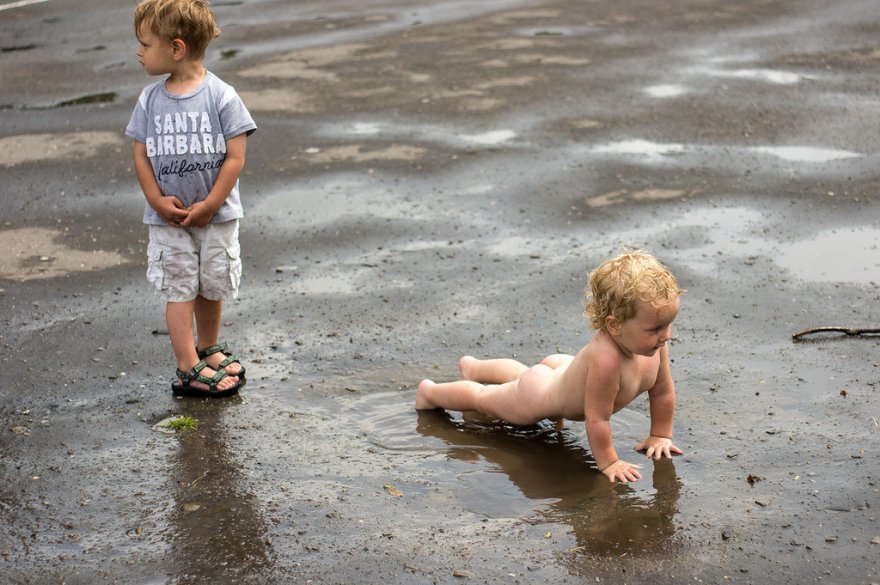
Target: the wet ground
pixel 432 179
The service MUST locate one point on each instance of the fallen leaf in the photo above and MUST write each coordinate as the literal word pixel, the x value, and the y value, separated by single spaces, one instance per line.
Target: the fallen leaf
pixel 392 490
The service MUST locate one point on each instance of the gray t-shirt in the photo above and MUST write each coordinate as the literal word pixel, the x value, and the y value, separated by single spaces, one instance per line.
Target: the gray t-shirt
pixel 186 136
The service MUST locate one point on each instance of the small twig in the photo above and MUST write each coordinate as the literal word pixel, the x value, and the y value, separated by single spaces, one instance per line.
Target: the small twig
pixel 193 482
pixel 849 331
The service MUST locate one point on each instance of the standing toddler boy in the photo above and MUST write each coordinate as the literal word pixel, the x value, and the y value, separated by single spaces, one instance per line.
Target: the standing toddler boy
pixel 190 132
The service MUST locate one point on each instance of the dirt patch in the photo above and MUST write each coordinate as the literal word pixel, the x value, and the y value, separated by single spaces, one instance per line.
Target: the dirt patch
pixel 623 195
pixel 359 153
pixel 38 253
pixel 30 148
pixel 286 100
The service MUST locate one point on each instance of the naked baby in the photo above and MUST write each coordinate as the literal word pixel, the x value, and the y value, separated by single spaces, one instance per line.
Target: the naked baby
pixel 632 302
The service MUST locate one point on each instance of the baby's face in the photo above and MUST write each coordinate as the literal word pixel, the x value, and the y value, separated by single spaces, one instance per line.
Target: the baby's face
pixel 650 328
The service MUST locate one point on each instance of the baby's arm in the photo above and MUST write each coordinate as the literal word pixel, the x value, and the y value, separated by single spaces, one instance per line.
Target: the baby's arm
pixel 200 213
pixel 603 384
pixel 662 400
pixel 170 208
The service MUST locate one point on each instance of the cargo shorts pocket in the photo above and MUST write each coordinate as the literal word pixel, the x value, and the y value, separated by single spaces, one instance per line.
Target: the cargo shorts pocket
pixel 156 266
pixel 233 254
pixel 221 272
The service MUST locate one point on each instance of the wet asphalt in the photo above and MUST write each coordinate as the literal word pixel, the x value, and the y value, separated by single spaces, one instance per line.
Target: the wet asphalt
pixel 431 179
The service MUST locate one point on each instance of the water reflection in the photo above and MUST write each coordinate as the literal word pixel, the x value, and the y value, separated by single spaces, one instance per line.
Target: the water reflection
pixel 218 534
pixel 555 472
pixel 622 521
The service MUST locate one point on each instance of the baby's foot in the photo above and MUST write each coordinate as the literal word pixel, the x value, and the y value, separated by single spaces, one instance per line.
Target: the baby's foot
pixel 422 402
pixel 464 365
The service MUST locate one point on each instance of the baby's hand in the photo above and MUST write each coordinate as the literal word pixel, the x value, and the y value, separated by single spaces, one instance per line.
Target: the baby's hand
pixel 658 447
pixel 622 471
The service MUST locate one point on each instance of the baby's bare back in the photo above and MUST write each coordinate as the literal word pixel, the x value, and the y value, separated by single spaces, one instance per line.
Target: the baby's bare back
pixel 569 385
pixel 637 374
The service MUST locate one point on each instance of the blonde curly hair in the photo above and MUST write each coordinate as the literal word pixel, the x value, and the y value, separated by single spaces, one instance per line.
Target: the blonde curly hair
pixel 188 20
pixel 618 285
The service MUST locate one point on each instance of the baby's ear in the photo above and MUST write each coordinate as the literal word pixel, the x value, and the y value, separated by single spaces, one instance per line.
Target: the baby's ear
pixel 612 325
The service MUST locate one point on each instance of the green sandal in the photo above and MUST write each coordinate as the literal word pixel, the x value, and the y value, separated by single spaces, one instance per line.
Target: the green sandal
pixel 229 359
pixel 185 387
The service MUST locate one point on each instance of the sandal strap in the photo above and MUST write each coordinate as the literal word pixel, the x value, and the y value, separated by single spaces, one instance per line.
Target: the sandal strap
pixel 221 347
pixel 230 359
pixel 213 380
pixel 196 374
pixel 193 373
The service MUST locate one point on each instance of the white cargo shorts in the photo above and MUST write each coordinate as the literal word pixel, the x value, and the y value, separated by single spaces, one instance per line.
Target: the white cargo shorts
pixel 187 262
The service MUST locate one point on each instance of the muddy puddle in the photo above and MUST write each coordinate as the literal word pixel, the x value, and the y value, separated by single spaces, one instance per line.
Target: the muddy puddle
pixel 536 474
pixel 423 467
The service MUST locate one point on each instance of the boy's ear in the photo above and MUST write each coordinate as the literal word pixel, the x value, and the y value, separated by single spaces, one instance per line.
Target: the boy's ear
pixel 178 49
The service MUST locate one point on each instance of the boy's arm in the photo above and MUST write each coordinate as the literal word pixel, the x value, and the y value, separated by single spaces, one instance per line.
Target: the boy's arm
pixel 662 402
pixel 603 384
pixel 170 208
pixel 200 213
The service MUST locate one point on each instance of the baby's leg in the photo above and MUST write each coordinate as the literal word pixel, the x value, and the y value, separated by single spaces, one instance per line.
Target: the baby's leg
pixel 494 371
pixel 513 402
pixel 461 395
pixel 497 401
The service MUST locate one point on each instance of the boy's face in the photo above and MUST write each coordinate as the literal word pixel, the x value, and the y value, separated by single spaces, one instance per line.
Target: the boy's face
pixel 648 330
pixel 155 54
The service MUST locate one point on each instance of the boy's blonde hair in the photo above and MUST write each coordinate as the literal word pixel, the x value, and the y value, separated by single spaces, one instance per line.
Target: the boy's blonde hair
pixel 618 284
pixel 188 20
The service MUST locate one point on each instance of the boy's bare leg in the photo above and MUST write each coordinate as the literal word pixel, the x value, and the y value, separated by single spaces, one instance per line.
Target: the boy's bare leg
pixel 209 315
pixel 492 371
pixel 179 317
